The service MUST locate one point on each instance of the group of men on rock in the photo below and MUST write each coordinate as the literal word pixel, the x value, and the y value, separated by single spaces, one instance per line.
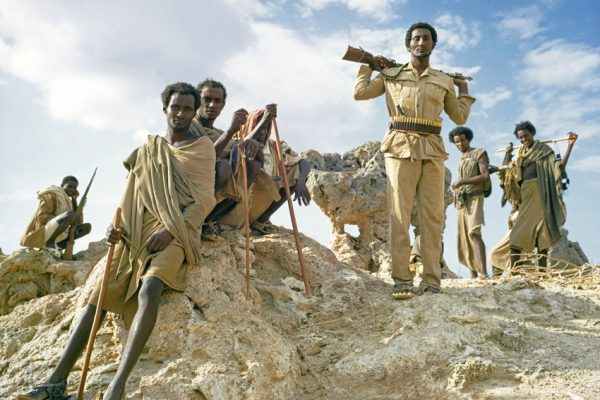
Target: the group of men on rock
pixel 191 177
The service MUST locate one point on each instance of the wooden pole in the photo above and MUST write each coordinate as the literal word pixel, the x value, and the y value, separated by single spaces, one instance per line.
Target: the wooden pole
pixel 246 206
pixel 562 139
pixel 291 207
pixel 98 314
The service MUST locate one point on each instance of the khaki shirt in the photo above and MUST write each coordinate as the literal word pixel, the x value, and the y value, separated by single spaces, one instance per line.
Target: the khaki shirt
pixel 424 96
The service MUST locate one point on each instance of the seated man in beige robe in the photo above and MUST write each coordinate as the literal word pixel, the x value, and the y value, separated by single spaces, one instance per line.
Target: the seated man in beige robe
pixel 533 185
pixel 268 192
pixel 49 226
pixel 228 177
pixel 169 192
pixel 472 185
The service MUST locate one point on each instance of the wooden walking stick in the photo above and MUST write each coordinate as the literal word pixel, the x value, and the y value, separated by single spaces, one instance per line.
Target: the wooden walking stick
pixel 291 207
pixel 98 314
pixel 246 207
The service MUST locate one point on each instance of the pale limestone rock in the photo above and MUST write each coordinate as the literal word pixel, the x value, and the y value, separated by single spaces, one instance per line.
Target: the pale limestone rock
pixel 350 189
pixel 478 339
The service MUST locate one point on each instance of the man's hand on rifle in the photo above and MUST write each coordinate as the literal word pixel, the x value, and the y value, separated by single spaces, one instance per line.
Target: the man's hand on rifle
pixel 508 154
pixel 380 63
pixel 572 138
pixel 462 84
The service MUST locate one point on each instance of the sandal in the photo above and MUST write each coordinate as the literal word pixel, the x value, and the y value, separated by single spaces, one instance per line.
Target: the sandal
pixel 262 228
pixel 403 291
pixel 211 231
pixel 430 290
pixel 47 391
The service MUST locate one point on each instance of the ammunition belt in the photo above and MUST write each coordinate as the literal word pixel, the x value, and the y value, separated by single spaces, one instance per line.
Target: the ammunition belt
pixel 418 125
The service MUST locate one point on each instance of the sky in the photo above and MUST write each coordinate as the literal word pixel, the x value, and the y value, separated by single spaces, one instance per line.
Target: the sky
pixel 80 87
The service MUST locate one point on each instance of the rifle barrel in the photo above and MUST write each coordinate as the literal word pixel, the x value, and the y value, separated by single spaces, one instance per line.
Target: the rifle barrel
pixel 562 139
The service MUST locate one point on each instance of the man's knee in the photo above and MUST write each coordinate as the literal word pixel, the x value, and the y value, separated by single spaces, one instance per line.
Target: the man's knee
pixel 151 290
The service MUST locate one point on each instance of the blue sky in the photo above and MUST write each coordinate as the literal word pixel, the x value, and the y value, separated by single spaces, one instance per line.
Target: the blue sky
pixel 80 84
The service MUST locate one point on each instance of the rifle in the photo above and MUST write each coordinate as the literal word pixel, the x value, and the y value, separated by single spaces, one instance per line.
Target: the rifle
pixel 364 57
pixel 562 139
pixel 68 254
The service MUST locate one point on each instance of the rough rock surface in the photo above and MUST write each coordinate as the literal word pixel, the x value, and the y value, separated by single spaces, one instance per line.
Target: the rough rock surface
pixel 350 189
pixel 480 339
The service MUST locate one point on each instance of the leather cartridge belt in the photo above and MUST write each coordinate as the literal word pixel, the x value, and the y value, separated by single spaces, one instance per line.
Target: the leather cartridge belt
pixel 414 124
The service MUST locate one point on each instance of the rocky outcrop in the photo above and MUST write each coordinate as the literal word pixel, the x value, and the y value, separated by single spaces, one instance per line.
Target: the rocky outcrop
pixel 350 189
pixel 511 338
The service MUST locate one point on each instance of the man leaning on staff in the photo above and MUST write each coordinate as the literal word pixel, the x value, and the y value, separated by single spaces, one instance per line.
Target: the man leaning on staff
pixel 416 95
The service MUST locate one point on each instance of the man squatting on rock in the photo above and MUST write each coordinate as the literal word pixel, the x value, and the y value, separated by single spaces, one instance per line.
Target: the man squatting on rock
pixel 268 193
pixel 533 185
pixel 228 176
pixel 414 151
pixel 169 192
pixel 55 214
pixel 472 186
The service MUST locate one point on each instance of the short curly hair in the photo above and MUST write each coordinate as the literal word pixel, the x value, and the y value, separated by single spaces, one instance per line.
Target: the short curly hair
pixel 419 25
pixel 524 126
pixel 211 83
pixel 69 178
pixel 179 88
pixel 460 130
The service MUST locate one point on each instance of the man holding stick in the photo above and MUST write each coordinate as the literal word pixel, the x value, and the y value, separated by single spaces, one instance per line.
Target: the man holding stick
pixel 228 177
pixel 169 192
pixel 416 95
pixel 268 193
pixel 533 185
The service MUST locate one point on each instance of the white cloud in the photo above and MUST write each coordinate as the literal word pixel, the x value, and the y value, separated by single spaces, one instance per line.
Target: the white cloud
pixel 587 164
pixel 548 65
pixel 381 10
pixel 105 75
pixel 456 34
pixel 489 100
pixel 521 23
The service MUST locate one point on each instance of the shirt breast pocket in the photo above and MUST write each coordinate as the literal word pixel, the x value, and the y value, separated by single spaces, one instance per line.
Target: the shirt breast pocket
pixel 436 91
pixel 402 94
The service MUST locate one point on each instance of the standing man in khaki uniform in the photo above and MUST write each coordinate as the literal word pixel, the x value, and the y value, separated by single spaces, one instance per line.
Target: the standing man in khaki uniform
pixel 416 95
pixel 472 185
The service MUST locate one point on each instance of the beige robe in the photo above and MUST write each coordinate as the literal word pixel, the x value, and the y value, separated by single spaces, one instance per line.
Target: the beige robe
pixel 266 187
pixel 169 188
pixel 469 201
pixel 53 201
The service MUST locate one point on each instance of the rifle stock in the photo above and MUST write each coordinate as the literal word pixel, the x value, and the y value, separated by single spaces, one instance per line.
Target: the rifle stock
pixel 68 254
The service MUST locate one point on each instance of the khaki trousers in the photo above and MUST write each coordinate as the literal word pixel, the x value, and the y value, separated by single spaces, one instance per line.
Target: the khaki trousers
pixel 425 179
